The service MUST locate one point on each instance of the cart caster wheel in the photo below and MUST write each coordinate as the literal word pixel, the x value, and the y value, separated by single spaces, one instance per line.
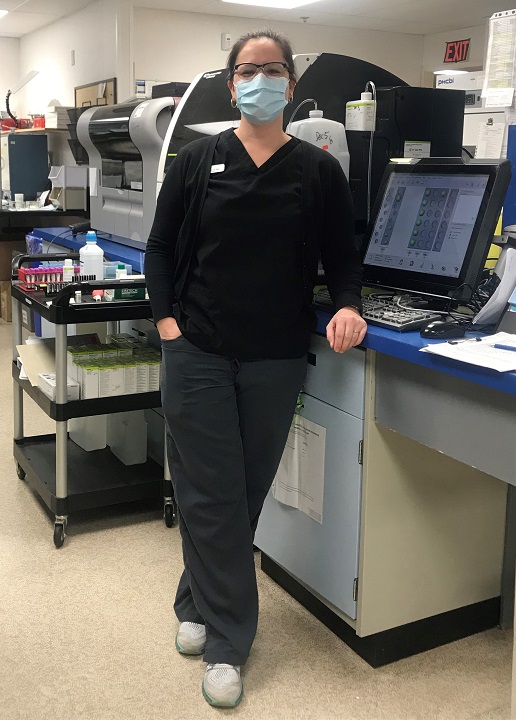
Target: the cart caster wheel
pixel 59 534
pixel 20 471
pixel 170 515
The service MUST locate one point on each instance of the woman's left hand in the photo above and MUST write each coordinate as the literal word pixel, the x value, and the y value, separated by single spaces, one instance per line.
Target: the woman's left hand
pixel 346 329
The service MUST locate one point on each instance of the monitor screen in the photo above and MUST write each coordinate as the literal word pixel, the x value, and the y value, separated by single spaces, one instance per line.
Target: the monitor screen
pixel 432 226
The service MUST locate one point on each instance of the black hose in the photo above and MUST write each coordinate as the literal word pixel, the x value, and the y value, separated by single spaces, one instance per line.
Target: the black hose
pixel 9 109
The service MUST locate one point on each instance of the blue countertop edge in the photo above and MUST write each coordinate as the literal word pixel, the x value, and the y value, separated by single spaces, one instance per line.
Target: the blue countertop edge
pixel 404 346
pixel 114 247
pixel 407 345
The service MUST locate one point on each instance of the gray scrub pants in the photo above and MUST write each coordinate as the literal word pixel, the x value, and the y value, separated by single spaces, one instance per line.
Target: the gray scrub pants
pixel 227 424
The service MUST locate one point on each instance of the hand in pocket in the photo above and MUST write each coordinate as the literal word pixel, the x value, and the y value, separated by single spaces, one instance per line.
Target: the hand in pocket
pixel 168 328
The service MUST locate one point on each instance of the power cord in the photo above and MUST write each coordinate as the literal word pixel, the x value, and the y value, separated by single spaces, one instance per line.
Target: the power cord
pixel 70 231
pixel 407 302
pixel 65 232
pixel 371 138
pixel 308 100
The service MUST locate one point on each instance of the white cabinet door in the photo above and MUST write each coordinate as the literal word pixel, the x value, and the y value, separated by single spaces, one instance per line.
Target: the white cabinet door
pixel 324 557
pixel 336 379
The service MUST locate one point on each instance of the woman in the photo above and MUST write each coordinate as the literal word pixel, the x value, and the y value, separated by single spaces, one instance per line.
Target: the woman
pixel 230 265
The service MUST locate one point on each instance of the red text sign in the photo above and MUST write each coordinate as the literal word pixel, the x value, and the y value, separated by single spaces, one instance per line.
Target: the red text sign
pixel 457 51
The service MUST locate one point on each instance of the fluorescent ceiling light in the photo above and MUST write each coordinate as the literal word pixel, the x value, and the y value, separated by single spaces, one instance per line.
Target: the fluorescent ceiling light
pixel 3 12
pixel 279 4
pixel 451 72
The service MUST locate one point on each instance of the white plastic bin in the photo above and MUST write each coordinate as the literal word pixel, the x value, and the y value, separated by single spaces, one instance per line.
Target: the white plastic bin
pixel 68 176
pixel 89 433
pixel 127 437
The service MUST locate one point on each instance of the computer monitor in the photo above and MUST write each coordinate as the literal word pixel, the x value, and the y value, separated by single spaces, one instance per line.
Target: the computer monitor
pixel 432 226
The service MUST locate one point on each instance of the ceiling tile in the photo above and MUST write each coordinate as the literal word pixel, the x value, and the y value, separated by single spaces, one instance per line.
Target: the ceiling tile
pixel 232 10
pixel 335 20
pixel 354 7
pixel 8 4
pixel 441 12
pixel 409 16
pixel 58 8
pixel 180 5
pixel 20 23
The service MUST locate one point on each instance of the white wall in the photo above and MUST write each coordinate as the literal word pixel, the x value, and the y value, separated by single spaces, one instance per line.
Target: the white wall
pixel 91 32
pixel 177 46
pixel 10 73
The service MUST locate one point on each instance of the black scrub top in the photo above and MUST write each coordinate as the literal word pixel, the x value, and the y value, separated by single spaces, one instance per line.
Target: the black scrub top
pixel 244 293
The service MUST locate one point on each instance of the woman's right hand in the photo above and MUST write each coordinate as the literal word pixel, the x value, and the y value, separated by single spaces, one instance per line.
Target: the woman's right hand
pixel 168 328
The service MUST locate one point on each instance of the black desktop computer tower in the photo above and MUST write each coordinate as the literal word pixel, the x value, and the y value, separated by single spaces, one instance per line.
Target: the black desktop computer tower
pixel 24 165
pixel 406 117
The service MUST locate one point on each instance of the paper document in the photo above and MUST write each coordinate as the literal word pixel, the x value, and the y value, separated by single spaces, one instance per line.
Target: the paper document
pixel 299 481
pixel 480 352
pixel 37 358
pixel 499 97
pixel 500 56
pixel 495 306
pixel 490 140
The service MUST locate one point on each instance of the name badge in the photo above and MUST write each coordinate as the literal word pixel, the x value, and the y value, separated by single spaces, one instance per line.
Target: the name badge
pixel 217 168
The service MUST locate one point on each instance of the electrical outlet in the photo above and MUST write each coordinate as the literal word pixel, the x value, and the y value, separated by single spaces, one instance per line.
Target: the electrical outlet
pixel 225 41
pixel 72 58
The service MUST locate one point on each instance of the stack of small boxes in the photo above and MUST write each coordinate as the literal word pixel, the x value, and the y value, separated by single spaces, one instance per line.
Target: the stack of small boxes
pixel 56 117
pixel 122 366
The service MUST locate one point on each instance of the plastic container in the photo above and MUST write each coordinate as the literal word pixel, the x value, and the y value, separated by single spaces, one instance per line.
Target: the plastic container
pixel 66 176
pixel 327 134
pixel 361 114
pixel 92 257
pixel 89 433
pixel 120 271
pixel 34 244
pixel 127 437
pixel 68 271
pixel 110 267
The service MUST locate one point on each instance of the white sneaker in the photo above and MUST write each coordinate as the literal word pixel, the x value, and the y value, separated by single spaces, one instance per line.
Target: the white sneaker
pixel 191 638
pixel 222 685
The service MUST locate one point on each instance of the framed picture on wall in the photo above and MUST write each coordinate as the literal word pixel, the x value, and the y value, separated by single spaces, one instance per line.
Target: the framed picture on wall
pixel 97 93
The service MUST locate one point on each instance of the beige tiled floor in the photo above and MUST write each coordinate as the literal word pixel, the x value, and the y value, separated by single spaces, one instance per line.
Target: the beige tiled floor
pixel 86 632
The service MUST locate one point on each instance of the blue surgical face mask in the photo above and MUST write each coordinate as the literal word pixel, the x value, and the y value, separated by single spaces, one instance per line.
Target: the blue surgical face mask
pixel 261 99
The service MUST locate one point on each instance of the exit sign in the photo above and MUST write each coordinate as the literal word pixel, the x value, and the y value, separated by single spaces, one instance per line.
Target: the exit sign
pixel 457 51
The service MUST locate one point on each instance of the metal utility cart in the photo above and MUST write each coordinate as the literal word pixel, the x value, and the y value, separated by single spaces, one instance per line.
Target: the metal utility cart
pixel 66 477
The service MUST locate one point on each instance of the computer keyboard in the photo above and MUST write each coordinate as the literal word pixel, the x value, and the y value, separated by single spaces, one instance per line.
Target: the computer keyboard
pixel 385 312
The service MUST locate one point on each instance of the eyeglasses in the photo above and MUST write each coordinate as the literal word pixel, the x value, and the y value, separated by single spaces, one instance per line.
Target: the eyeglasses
pixel 247 71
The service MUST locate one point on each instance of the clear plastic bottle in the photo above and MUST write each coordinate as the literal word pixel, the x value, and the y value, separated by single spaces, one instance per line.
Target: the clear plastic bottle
pixel 92 257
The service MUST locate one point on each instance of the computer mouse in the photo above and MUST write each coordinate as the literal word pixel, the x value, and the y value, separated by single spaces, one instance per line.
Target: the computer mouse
pixel 443 329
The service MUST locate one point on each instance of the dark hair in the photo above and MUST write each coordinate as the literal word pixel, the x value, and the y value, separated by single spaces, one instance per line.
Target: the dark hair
pixel 280 40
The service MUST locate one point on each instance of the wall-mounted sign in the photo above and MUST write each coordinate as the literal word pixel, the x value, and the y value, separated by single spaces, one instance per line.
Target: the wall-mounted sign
pixel 457 51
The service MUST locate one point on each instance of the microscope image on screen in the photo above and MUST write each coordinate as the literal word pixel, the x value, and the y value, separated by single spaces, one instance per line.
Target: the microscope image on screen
pixel 433 219
pixel 425 222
